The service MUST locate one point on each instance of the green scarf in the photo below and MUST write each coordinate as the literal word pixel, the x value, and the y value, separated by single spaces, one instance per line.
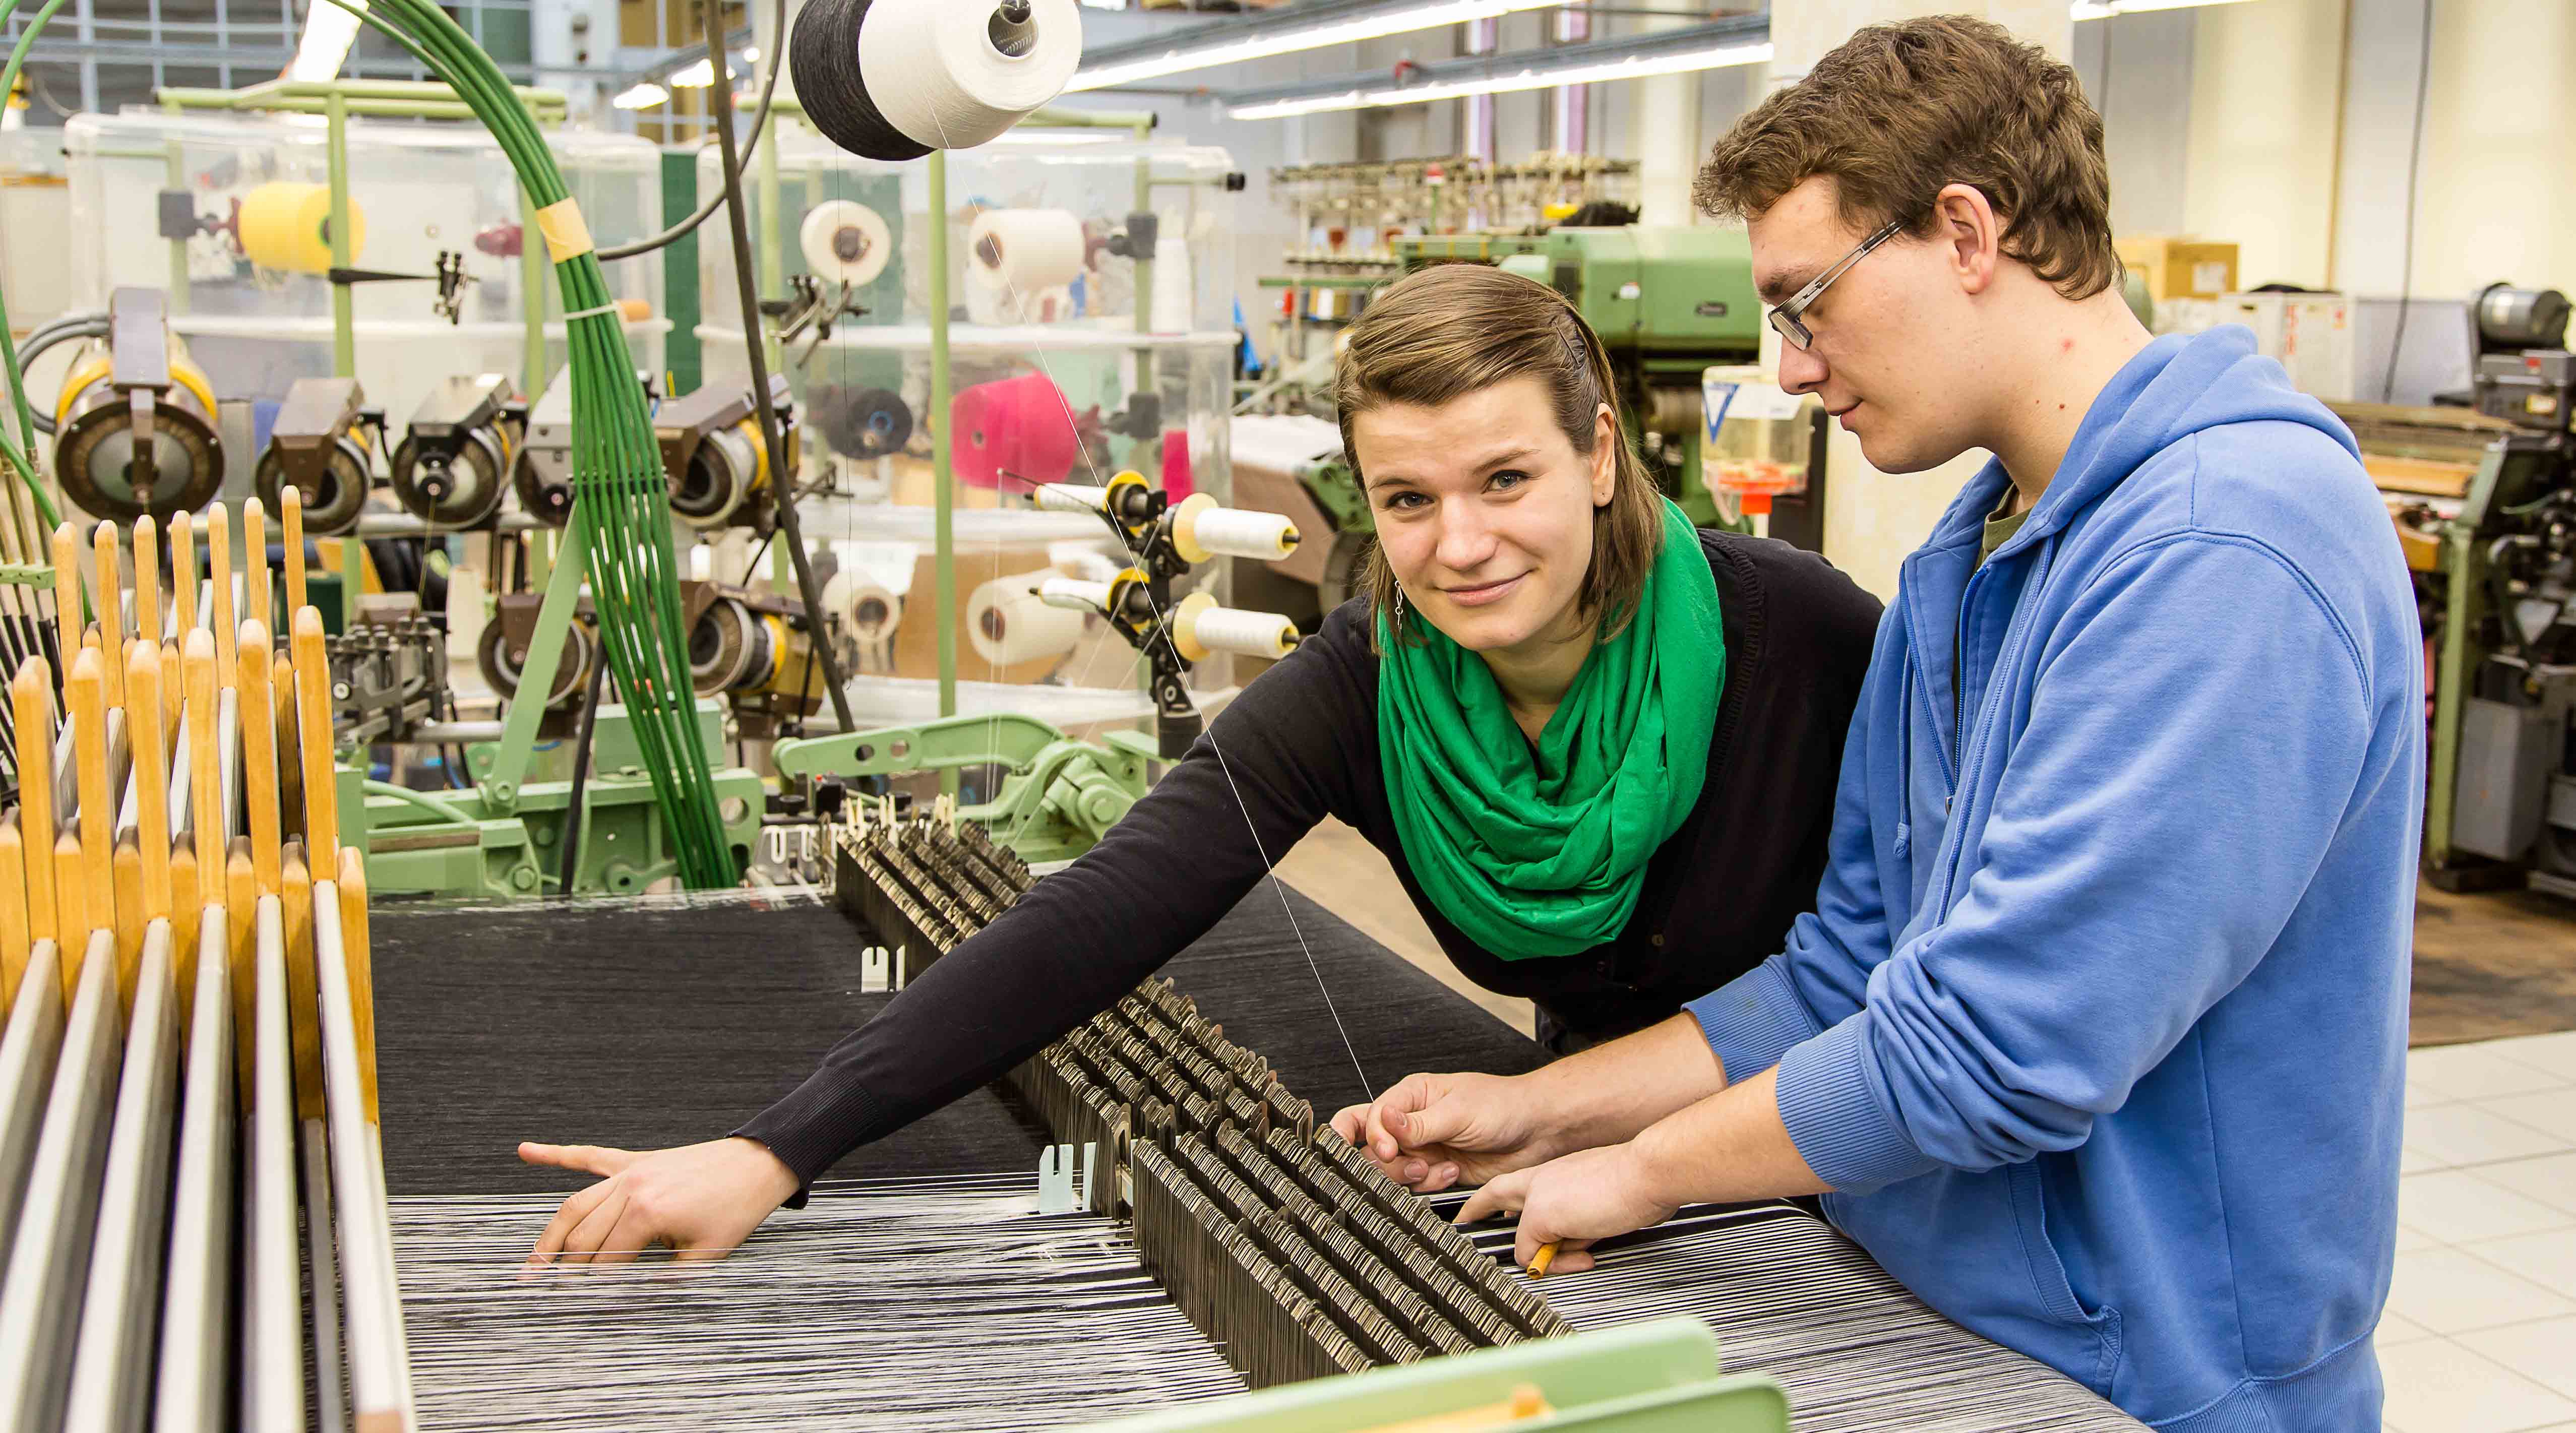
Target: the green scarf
pixel 1540 849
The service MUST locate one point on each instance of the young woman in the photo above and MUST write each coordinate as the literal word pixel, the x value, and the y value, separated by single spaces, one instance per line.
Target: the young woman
pixel 1599 746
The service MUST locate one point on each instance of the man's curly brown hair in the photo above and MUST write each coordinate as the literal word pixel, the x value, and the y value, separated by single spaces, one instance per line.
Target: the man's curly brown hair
pixel 1897 111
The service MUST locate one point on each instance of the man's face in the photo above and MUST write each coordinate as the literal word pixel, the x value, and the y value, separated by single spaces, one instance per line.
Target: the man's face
pixel 1894 357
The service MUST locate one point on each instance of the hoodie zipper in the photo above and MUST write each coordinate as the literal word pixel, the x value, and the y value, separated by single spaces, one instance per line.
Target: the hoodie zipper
pixel 2016 631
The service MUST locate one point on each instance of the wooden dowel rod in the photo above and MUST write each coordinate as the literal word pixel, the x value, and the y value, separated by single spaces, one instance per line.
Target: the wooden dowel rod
pixel 259 752
pixel 205 772
pixel 147 580
pixel 108 592
pixel 313 703
pixel 303 1013
pixel 360 957
pixel 71 902
pixel 187 912
pixel 255 576
pixel 31 694
pixel 87 694
pixel 290 531
pixel 241 916
pixel 69 618
pixel 290 760
pixel 126 869
pixel 219 563
pixel 183 574
pixel 14 941
pixel 144 717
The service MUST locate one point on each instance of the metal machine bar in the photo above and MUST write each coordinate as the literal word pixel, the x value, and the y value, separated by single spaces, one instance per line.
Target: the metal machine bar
pixel 49 1256
pixel 344 324
pixel 111 1361
pixel 545 651
pixel 27 1055
pixel 273 1331
pixel 943 479
pixel 196 1318
pixel 379 1382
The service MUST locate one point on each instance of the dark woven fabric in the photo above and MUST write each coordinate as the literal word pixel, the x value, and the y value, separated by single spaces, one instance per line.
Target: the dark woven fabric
pixel 642 1027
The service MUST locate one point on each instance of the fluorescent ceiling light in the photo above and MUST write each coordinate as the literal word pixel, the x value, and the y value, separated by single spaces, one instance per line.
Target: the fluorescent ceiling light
pixel 1289 42
pixel 2105 9
pixel 1716 57
pixel 696 75
pixel 328 33
pixel 643 96
pixel 1054 137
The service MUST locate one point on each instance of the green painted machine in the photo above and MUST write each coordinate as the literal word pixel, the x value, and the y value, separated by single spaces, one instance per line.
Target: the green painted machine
pixel 1655 1377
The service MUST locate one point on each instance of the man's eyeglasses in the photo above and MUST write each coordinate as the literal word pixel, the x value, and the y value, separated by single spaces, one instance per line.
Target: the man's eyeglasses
pixel 1788 319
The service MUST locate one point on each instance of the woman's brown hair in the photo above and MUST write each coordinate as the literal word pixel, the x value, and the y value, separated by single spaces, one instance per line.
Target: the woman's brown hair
pixel 1455 329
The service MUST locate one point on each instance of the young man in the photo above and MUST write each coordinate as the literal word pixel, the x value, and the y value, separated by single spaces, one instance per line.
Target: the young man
pixel 2096 1037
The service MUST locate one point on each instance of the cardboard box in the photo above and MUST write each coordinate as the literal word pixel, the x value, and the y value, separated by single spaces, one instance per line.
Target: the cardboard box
pixel 2179 268
pixel 2310 334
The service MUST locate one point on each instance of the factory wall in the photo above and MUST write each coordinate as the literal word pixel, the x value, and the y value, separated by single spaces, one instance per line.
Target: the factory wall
pixel 2266 83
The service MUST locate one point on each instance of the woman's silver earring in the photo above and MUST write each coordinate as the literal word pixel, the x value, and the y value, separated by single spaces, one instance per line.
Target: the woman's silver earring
pixel 1399 607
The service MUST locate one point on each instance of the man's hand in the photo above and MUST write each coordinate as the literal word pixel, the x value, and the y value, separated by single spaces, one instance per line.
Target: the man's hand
pixel 700 1199
pixel 1432 1131
pixel 1571 1202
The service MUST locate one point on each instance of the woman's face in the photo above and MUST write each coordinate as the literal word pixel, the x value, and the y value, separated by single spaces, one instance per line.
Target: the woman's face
pixel 1484 510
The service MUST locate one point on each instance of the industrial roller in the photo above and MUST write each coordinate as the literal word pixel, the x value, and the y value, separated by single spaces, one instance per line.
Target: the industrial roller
pixel 502 652
pixel 714 456
pixel 543 472
pixel 454 462
pixel 135 430
pixel 754 649
pixel 319 446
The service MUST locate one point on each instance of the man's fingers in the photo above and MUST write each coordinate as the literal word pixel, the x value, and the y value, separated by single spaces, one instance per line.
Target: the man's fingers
pixel 1442 1175
pixel 1503 1196
pixel 1352 1123
pixel 593 1230
pixel 567 1216
pixel 1570 1260
pixel 588 1158
pixel 1387 1115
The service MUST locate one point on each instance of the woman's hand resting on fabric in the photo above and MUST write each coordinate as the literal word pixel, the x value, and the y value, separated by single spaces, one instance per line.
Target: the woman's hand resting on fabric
pixel 1429 1132
pixel 702 1200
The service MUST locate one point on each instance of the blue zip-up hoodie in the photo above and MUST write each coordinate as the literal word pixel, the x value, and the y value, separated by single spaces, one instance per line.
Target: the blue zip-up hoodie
pixel 2099 1027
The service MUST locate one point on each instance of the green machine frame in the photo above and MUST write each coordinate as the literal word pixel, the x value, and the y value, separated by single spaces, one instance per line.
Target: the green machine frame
pixel 2514 470
pixel 1660 1376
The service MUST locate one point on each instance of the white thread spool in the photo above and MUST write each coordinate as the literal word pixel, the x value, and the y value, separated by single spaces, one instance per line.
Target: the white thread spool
pixel 1200 628
pixel 1025 251
pixel 953 76
pixel 845 241
pixel 1008 624
pixel 1201 530
pixel 1072 497
pixel 1074 594
pixel 865 610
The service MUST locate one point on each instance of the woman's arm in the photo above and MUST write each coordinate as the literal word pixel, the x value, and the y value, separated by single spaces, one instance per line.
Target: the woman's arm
pixel 1272 765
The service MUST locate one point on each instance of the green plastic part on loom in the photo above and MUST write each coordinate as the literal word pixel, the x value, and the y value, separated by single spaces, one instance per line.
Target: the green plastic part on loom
pixel 620 495
pixel 1655 1377
pixel 1057 798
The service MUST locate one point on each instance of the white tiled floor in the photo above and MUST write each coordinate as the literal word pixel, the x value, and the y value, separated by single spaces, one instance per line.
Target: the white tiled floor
pixel 2480 1333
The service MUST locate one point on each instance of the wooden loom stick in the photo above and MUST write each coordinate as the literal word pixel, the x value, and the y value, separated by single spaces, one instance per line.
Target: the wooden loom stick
pixel 187 911
pixel 95 875
pixel 151 787
pixel 71 912
pixel 359 953
pixel 68 615
pixel 290 529
pixel 259 753
pixel 255 576
pixel 241 917
pixel 183 573
pixel 147 580
pixel 31 694
pixel 205 762
pixel 303 1014
pixel 219 561
pixel 14 943
pixel 313 707
pixel 126 868
pixel 290 766
pixel 111 609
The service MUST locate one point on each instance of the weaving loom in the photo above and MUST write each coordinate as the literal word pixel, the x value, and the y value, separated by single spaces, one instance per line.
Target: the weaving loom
pixel 187 1066
pixel 930 1293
